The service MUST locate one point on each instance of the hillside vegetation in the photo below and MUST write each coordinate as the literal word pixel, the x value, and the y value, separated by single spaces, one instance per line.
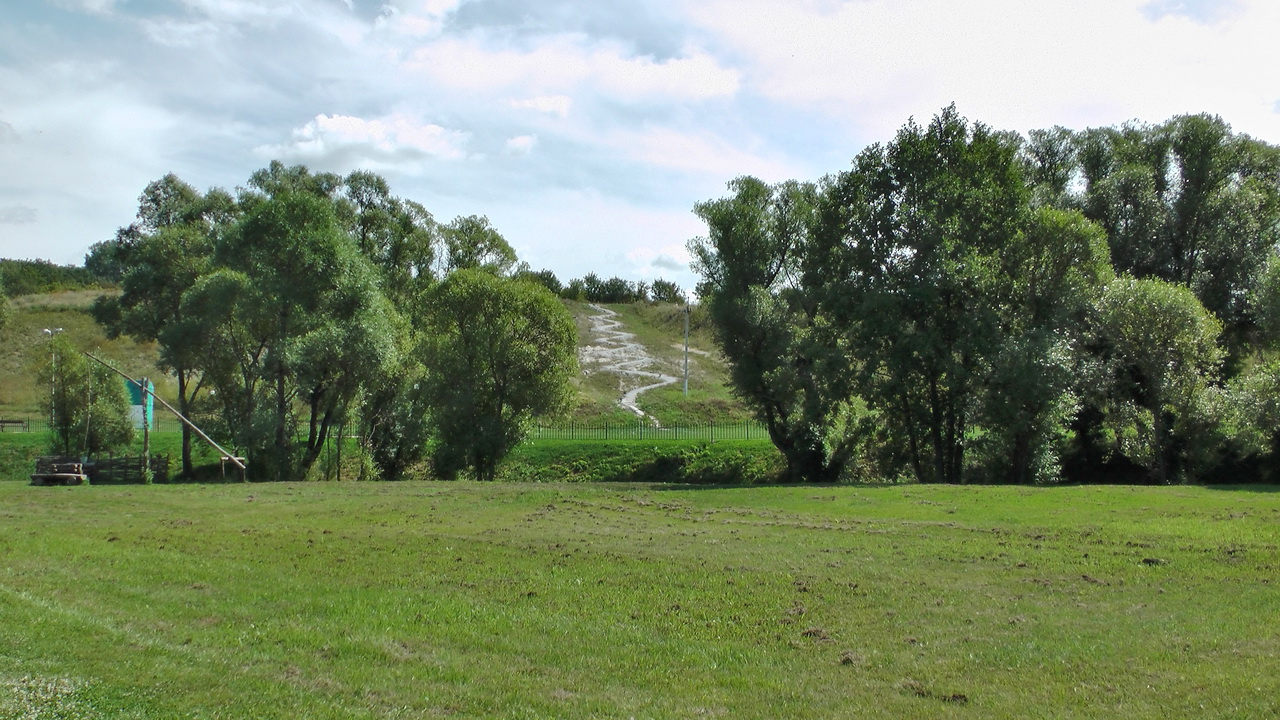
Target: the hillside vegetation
pixel 660 327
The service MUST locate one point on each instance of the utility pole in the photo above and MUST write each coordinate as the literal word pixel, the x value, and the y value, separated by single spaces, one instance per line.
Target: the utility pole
pixel 686 350
pixel 53 376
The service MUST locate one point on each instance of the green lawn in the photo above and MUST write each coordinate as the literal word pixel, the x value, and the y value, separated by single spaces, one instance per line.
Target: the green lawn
pixel 408 600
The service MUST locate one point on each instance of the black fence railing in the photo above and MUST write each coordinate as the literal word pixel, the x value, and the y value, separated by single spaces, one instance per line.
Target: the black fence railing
pixel 645 430
pixel 27 422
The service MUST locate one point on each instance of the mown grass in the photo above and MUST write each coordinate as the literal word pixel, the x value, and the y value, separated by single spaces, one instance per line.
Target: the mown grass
pixel 349 600
pixel 735 462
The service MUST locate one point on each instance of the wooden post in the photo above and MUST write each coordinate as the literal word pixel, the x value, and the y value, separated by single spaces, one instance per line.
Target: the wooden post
pixel 147 479
pixel 238 462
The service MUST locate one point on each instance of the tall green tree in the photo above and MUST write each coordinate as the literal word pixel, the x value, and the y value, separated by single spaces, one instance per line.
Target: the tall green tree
pixel 784 359
pixel 88 406
pixel 1161 346
pixel 1187 201
pixel 294 324
pixel 1033 389
pixel 472 243
pixel 399 236
pixel 160 257
pixel 499 353
pixel 915 235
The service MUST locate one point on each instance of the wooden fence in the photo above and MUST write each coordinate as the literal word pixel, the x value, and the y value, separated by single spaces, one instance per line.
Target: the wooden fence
pixel 108 471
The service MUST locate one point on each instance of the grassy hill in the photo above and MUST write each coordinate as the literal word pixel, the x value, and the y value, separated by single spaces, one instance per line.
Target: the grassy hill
pixel 24 348
pixel 659 327
pixel 409 600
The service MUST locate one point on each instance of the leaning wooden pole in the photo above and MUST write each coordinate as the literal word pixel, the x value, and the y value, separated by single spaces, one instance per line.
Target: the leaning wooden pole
pixel 226 453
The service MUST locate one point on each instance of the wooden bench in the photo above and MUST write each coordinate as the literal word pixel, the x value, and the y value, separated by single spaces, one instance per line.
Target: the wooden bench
pixel 22 425
pixel 59 473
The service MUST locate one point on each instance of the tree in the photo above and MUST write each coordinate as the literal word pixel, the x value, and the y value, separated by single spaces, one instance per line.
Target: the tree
pixel 160 257
pixel 88 406
pixel 1032 389
pixel 1161 344
pixel 399 236
pixel 665 291
pixel 1186 201
pixel 472 243
pixel 913 239
pixel 293 319
pixel 545 278
pixel 1253 395
pixel 499 353
pixel 784 361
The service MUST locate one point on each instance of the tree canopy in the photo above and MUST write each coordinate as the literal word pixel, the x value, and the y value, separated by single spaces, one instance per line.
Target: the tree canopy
pixel 301 307
pixel 1006 308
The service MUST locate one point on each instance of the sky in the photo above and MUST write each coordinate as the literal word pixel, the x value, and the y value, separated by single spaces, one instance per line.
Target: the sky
pixel 585 130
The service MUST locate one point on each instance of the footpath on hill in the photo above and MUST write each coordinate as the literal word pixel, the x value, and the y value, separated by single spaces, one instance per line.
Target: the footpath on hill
pixel 614 350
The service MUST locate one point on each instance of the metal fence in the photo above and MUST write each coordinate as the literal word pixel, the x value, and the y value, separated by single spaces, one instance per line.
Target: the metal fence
pixel 644 430
pixel 29 422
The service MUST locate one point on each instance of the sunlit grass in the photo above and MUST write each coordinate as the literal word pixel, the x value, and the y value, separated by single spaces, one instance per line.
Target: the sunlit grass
pixel 470 600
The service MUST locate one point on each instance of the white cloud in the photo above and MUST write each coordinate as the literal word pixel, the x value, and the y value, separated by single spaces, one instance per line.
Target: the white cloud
pixel 521 144
pixel 388 136
pixel 1012 65
pixel 18 215
pixel 700 153
pixel 558 105
pixel 420 19
pixel 97 7
pixel 180 34
pixel 650 261
pixel 566 62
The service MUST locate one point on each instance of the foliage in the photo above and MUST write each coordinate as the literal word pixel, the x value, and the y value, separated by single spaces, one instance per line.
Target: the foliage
pixel 161 256
pixel 1033 387
pixel 1161 345
pixel 398 236
pixel 784 359
pixel 545 278
pixel 499 353
pixel 1186 201
pixel 615 290
pixel 665 291
pixel 5 310
pixel 917 282
pixel 397 419
pixel 292 320
pixel 29 277
pixel 472 243
pixel 88 406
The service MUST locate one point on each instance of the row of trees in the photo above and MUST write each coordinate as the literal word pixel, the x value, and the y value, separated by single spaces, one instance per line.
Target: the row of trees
pixel 28 277
pixel 971 305
pixel 591 288
pixel 310 305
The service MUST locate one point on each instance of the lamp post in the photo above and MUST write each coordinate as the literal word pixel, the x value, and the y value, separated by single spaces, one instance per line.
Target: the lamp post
pixel 686 350
pixel 53 361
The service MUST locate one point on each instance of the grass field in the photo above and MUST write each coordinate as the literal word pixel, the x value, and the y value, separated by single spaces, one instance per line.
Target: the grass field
pixel 407 600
